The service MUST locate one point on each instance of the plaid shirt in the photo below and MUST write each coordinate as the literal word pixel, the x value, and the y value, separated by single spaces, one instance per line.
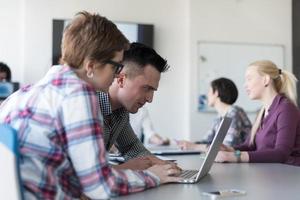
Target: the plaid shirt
pixel 238 131
pixel 118 131
pixel 61 141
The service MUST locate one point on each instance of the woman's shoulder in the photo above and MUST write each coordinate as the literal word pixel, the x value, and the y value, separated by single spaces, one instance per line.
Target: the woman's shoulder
pixel 286 105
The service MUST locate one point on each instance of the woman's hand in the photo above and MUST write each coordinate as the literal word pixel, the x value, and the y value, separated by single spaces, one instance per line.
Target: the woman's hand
pixel 186 145
pixel 167 173
pixel 223 147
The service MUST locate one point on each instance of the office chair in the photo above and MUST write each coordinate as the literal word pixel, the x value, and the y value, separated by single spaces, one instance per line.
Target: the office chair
pixel 10 187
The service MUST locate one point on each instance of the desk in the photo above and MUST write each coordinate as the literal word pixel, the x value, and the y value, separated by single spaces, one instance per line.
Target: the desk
pixel 260 181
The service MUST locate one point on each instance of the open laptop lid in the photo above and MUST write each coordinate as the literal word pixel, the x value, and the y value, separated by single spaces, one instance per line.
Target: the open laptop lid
pixel 214 147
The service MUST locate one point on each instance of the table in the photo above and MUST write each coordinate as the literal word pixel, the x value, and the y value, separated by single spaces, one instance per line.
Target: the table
pixel 260 181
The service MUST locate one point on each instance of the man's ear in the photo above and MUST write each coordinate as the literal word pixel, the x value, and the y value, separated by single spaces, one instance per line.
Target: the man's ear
pixel 121 78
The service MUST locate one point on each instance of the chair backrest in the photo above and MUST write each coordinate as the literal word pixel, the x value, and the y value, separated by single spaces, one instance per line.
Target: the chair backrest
pixel 9 164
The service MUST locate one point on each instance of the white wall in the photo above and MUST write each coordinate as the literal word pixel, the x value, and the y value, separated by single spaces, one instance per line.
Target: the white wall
pixel 257 21
pixel 170 18
pixel 25 43
pixel 11 34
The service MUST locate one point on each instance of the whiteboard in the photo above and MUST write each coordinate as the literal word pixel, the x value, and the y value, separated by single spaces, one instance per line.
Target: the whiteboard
pixel 230 60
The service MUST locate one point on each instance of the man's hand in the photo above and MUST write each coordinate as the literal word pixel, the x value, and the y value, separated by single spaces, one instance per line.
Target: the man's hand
pixel 142 163
pixel 139 163
pixel 166 173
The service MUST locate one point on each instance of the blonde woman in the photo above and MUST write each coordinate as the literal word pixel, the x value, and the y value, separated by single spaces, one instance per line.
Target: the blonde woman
pixel 275 135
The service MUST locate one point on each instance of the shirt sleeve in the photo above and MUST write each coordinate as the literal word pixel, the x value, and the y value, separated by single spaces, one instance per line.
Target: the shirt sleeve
pixel 239 129
pixel 128 143
pixel 246 146
pixel 147 126
pixel 85 148
pixel 210 134
pixel 286 122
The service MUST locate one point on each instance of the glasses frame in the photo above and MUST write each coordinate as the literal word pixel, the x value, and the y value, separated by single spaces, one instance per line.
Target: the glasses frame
pixel 118 66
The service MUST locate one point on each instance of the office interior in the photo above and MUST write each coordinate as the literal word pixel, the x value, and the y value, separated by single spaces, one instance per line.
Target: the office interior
pixel 26 43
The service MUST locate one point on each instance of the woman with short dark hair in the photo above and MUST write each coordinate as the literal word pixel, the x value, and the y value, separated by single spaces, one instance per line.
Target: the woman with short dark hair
pixel 222 95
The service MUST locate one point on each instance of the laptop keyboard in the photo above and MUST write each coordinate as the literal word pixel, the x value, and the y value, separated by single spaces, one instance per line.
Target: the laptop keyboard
pixel 188 173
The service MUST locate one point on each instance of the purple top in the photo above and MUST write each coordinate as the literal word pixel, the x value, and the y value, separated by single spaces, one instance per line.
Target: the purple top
pixel 278 137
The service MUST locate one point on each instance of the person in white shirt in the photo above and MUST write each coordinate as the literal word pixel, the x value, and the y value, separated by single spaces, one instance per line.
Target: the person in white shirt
pixel 142 126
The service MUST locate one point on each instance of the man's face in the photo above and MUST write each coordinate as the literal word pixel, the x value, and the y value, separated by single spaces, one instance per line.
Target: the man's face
pixel 136 91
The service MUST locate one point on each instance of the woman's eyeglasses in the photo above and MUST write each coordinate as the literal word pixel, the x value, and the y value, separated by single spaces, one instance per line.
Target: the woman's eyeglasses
pixel 118 66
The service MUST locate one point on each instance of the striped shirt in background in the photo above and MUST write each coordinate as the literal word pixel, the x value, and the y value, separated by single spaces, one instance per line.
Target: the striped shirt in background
pixel 118 131
pixel 238 131
pixel 61 141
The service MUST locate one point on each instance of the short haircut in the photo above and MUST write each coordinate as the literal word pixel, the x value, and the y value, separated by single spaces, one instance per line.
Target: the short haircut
pixel 91 36
pixel 4 68
pixel 227 90
pixel 141 55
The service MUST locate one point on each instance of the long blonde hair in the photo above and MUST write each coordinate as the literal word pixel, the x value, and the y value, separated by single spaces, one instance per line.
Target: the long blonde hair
pixel 283 81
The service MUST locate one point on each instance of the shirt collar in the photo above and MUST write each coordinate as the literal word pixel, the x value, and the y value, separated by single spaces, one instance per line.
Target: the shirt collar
pixel 275 102
pixel 104 103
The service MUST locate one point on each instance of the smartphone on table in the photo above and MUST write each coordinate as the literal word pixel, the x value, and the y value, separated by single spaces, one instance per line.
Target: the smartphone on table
pixel 225 193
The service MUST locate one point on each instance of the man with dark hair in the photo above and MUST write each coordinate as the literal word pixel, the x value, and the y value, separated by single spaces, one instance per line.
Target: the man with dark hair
pixel 131 89
pixel 222 95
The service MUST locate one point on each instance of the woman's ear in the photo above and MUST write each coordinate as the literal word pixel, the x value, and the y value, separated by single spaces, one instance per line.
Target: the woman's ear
pixel 216 93
pixel 267 80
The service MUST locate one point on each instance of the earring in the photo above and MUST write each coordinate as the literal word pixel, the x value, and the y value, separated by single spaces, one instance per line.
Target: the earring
pixel 89 75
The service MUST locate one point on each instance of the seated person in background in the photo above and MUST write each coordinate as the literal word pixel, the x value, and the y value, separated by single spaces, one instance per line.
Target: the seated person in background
pixel 143 128
pixel 275 136
pixel 131 90
pixel 5 73
pixel 222 95
pixel 59 123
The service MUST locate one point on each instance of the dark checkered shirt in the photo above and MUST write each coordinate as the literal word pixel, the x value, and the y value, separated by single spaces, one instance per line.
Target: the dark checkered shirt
pixel 118 131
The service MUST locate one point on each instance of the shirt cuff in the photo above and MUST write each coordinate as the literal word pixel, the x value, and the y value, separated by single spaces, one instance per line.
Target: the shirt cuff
pixel 153 176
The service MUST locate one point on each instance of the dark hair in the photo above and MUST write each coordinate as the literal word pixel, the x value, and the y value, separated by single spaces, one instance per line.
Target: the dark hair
pixel 143 55
pixel 4 68
pixel 91 36
pixel 227 90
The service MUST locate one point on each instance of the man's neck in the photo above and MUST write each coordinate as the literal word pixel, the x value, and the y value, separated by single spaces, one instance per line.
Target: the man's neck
pixel 112 94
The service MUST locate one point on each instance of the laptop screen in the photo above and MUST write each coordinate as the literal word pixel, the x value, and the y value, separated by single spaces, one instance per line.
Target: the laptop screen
pixel 7 88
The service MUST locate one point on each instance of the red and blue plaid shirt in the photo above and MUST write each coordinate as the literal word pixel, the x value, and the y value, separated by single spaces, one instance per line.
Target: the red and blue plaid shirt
pixel 61 141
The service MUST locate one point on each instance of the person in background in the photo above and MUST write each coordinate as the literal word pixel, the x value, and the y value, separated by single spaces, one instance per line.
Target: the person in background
pixel 275 135
pixel 5 73
pixel 142 126
pixel 59 125
pixel 222 94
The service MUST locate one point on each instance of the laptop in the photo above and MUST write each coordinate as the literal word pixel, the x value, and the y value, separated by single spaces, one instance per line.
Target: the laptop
pixel 193 176
pixel 170 150
pixel 7 88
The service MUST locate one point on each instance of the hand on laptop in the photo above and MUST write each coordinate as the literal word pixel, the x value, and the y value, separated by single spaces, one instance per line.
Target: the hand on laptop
pixel 142 163
pixel 167 173
pixel 139 163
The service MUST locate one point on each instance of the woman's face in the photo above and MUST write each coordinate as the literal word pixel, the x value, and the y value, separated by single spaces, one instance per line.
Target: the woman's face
pixel 3 76
pixel 104 74
pixel 211 97
pixel 254 83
